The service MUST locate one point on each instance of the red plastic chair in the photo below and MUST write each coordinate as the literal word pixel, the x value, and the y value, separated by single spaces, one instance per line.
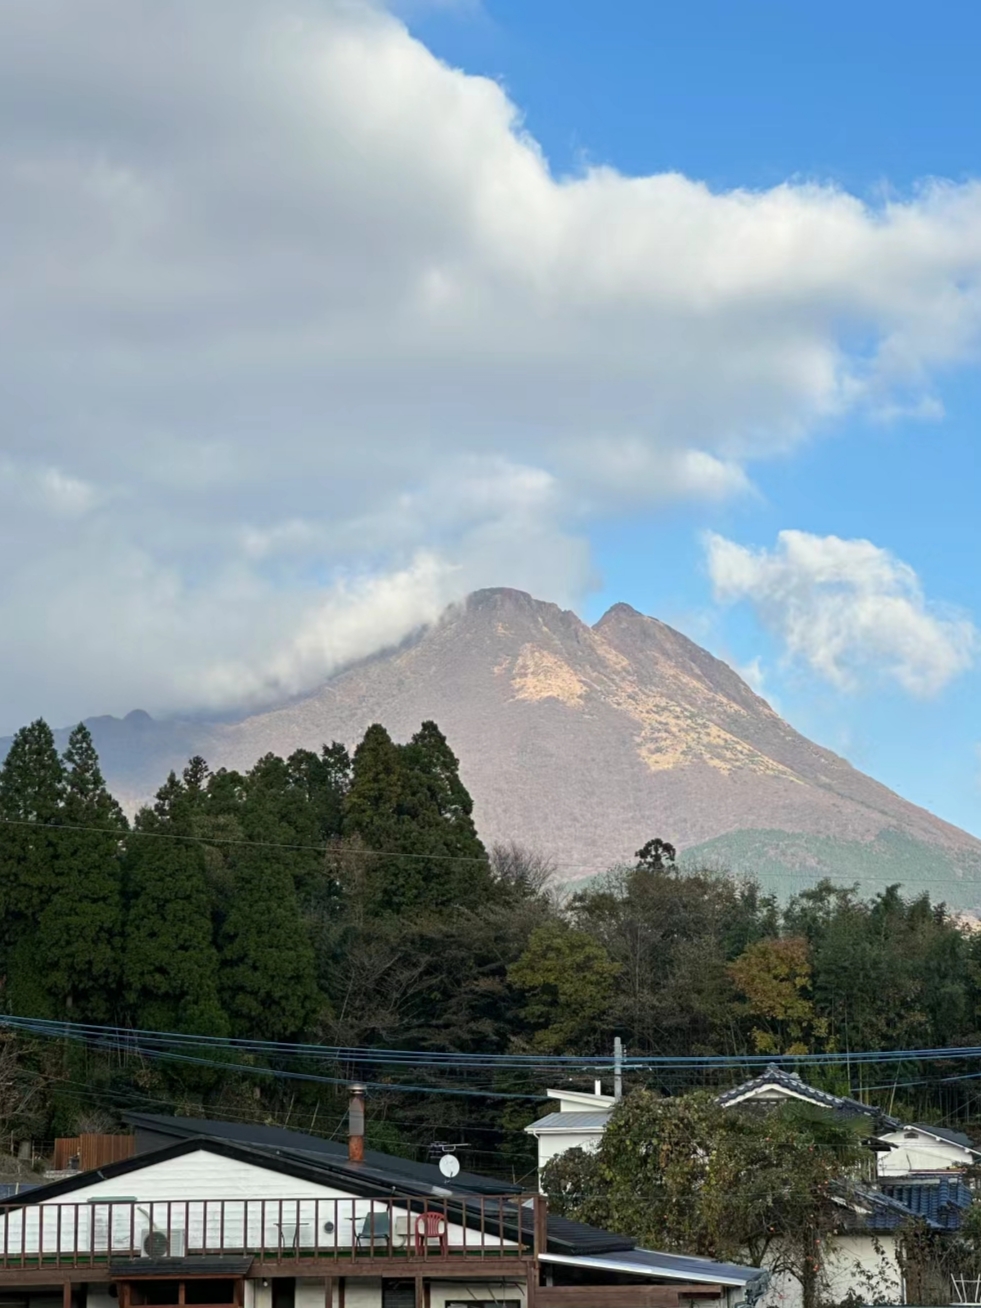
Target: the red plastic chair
pixel 429 1227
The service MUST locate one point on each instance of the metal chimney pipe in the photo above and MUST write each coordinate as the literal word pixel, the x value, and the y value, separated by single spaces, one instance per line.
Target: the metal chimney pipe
pixel 355 1125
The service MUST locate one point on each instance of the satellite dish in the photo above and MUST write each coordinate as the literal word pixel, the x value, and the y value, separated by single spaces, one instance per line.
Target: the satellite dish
pixel 449 1165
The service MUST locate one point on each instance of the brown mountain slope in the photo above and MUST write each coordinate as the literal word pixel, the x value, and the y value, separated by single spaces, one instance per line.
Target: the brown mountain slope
pixel 585 742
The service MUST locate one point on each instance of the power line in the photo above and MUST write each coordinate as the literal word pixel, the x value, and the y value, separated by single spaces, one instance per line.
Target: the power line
pixel 363 852
pixel 148 1042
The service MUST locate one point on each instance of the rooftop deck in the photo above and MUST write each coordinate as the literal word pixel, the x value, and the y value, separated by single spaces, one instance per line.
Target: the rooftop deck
pixel 353 1235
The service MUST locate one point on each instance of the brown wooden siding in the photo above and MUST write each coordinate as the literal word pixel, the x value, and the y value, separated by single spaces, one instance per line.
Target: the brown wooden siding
pixel 92 1151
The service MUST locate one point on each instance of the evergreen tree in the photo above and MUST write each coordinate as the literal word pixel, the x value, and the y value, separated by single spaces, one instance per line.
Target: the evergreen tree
pixel 32 794
pixel 79 927
pixel 323 780
pixel 444 821
pixel 170 964
pixel 373 814
pixel 268 975
pixel 32 791
pixel 409 803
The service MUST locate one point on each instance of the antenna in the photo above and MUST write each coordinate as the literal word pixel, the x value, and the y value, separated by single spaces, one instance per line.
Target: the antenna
pixel 449 1165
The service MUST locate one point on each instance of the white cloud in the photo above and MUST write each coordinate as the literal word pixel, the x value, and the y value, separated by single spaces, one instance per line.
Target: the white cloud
pixel 313 306
pixel 754 675
pixel 46 489
pixel 845 607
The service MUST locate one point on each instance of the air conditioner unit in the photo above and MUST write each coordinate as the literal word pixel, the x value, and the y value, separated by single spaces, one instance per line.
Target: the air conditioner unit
pixel 158 1244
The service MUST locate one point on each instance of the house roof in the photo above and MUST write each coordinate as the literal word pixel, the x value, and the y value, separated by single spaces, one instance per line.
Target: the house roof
pixel 941 1202
pixel 648 1262
pixel 315 1150
pixel 368 1180
pixel 938 1203
pixel 873 1210
pixel 943 1133
pixel 567 1236
pixel 569 1122
pixel 794 1087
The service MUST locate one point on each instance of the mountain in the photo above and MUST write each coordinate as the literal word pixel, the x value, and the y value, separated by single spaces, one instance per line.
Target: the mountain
pixel 586 741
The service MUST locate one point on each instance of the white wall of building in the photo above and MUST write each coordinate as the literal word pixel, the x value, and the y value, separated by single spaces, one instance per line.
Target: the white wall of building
pixel 577 1101
pixel 214 1202
pixel 863 1266
pixel 440 1292
pixel 552 1143
pixel 915 1151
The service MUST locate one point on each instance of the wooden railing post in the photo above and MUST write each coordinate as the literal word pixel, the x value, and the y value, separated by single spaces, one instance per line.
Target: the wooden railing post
pixel 541 1226
pixel 436 1227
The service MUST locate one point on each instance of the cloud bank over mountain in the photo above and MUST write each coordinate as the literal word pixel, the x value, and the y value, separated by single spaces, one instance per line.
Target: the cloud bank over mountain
pixel 302 339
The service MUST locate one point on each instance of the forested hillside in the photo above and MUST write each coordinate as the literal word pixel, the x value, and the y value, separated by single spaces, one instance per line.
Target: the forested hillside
pixel 346 900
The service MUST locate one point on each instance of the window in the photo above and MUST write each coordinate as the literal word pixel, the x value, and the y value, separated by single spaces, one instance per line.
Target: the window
pixel 483 1303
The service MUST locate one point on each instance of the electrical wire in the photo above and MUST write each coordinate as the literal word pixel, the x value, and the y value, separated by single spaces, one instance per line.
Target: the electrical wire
pixel 150 1042
pixel 359 851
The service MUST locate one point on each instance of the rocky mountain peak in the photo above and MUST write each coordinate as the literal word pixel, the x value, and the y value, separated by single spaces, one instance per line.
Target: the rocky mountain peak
pixel 584 742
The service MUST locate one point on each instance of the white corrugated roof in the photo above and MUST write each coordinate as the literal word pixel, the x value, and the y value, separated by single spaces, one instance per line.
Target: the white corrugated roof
pixel 677 1267
pixel 570 1122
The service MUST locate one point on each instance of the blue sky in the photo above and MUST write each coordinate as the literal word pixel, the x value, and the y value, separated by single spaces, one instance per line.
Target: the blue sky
pixel 319 314
pixel 870 96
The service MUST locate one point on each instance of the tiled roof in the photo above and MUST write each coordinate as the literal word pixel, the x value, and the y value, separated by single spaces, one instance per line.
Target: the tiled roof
pixel 940 1203
pixel 791 1082
pixel 570 1122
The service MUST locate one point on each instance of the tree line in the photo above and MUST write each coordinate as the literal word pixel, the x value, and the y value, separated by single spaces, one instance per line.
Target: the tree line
pixel 346 898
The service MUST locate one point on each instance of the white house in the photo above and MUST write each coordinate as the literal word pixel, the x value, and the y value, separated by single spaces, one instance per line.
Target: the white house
pixel 578 1123
pixel 213 1214
pixel 921 1149
pixel 914 1167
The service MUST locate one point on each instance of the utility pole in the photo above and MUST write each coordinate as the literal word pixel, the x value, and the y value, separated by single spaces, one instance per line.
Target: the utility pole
pixel 617 1068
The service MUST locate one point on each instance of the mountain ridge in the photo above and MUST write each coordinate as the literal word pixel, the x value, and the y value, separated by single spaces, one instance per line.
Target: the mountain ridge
pixel 585 741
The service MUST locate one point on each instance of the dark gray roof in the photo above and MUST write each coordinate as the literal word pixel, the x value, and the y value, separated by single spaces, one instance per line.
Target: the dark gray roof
pixel 571 1122
pixel 791 1082
pixel 314 1149
pixel 943 1133
pixel 567 1236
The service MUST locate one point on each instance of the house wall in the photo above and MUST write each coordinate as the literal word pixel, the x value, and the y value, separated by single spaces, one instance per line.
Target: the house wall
pixel 261 1207
pixel 920 1154
pixel 554 1143
pixel 363 1293
pixel 202 1175
pixel 441 1291
pixel 863 1266
pixel 367 1292
pixel 581 1103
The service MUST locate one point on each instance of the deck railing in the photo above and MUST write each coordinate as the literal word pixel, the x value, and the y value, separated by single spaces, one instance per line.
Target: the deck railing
pixel 102 1231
